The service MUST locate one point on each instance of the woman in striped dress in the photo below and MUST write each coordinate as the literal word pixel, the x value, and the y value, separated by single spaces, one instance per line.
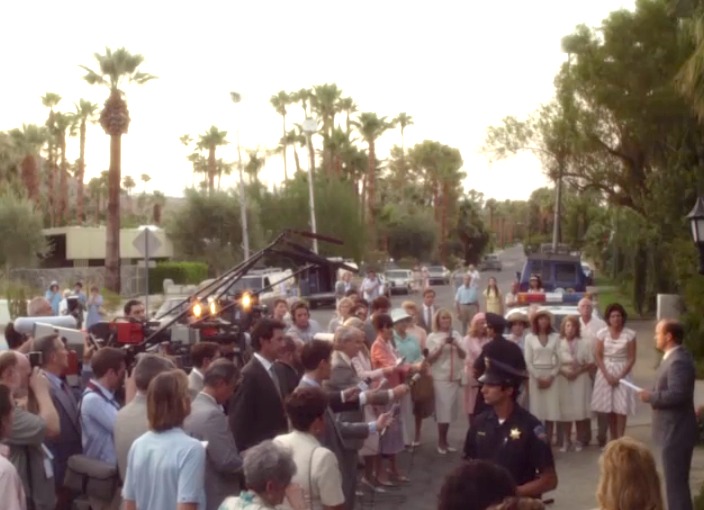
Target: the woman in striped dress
pixel 615 356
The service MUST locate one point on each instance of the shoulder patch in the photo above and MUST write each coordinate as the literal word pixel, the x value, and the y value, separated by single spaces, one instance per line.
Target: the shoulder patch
pixel 540 433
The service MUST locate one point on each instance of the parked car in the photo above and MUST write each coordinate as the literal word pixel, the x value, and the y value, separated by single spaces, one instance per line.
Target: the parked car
pixel 490 263
pixel 399 281
pixel 438 275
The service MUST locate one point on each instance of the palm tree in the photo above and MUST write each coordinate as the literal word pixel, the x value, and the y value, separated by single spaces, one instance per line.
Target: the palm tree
pixel 371 127
pixel 280 101
pixel 115 66
pixel 50 100
pixel 158 201
pixel 347 105
pixel 145 178
pixel 223 169
pixel 325 102
pixel 128 183
pixel 254 165
pixel 403 120
pixel 64 126
pixel 296 138
pixel 85 112
pixel 210 141
pixel 28 141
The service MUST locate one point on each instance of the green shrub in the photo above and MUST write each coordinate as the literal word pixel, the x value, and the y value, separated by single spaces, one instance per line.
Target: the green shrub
pixel 182 273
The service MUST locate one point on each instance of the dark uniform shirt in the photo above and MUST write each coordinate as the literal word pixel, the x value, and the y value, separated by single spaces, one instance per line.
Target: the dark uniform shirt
pixel 501 350
pixel 519 444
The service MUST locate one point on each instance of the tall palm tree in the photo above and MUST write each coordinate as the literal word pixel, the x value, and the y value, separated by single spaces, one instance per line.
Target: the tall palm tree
pixel 347 105
pixel 115 67
pixel 210 141
pixel 295 138
pixel 371 127
pixel 325 102
pixel 128 183
pixel 280 101
pixel 28 141
pixel 51 100
pixel 64 126
pixel 85 113
pixel 223 169
pixel 403 120
pixel 254 165
pixel 158 203
pixel 145 178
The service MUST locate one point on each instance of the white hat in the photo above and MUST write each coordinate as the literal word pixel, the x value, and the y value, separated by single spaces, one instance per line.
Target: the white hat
pixel 399 314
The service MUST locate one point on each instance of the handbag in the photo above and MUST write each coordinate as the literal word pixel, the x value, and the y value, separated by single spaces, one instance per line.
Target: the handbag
pixel 423 396
pixel 92 477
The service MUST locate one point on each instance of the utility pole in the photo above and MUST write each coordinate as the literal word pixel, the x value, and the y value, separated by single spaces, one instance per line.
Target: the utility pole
pixel 558 205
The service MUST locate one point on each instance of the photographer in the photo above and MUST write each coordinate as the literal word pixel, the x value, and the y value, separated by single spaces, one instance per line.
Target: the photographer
pixel 94 307
pixel 34 419
pixel 446 358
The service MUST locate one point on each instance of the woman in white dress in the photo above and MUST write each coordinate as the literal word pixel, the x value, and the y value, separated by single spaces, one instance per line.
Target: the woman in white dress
pixel 615 356
pixel 543 364
pixel 446 357
pixel 574 383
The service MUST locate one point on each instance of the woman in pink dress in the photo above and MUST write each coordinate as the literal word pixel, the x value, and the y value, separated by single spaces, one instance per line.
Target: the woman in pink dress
pixel 474 341
pixel 615 355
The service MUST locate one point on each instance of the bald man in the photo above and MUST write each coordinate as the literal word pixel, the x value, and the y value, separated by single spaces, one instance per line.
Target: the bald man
pixel 29 430
pixel 589 326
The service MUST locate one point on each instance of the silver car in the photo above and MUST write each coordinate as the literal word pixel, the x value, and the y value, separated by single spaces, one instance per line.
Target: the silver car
pixel 399 281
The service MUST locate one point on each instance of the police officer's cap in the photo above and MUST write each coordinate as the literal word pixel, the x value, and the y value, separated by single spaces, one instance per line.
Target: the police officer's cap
pixel 501 374
pixel 495 322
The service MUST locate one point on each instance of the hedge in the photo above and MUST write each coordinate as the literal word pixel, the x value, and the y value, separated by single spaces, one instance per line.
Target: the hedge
pixel 182 273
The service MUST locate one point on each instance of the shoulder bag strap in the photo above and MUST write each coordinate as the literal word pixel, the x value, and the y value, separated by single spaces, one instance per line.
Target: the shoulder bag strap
pixel 310 477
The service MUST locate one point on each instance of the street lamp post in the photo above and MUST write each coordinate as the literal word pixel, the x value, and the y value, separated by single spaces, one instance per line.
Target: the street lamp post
pixel 696 220
pixel 310 126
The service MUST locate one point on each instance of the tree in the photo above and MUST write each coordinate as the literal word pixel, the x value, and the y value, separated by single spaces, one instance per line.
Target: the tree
pixel 28 141
pixel 371 127
pixel 114 68
pixel 128 183
pixel 85 113
pixel 64 126
pixel 403 120
pixel 50 100
pixel 280 101
pixel 210 141
pixel 145 178
pixel 22 242
pixel 255 163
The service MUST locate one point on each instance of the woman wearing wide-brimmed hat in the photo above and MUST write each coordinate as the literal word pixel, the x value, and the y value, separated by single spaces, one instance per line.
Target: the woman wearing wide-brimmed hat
pixel 543 364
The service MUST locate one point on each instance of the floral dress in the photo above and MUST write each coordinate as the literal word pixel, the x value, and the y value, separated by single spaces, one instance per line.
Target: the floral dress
pixel 606 398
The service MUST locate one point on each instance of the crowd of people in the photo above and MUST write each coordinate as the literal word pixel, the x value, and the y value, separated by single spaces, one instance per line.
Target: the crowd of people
pixel 319 415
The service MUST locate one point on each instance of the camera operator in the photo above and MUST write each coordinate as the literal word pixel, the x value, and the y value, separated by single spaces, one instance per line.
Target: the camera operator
pixel 202 355
pixel 134 310
pixel 34 419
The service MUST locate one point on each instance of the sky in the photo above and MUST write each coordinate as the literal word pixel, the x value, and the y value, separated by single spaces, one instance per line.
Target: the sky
pixel 456 67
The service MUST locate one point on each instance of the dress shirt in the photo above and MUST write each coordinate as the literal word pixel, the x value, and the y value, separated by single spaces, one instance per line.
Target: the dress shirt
pixel 98 413
pixel 315 384
pixel 669 351
pixel 428 312
pixel 466 295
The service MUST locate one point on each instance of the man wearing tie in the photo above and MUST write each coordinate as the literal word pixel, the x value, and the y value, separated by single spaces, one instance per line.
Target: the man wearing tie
pixel 674 419
pixel 256 410
pixel 427 311
pixel 68 442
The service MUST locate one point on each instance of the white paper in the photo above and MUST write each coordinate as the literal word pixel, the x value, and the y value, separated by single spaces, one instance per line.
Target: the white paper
pixel 630 385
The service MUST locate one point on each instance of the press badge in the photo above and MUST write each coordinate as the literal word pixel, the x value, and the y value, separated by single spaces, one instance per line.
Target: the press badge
pixel 48 467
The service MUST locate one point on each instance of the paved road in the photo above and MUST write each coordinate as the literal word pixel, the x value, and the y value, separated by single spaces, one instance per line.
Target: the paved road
pixel 578 472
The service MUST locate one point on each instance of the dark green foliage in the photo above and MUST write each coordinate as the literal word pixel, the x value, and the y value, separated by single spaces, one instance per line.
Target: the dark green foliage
pixel 182 273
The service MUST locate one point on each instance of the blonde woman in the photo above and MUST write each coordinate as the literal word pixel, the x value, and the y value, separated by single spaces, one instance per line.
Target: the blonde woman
pixel 628 479
pixel 493 298
pixel 473 344
pixel 446 357
pixel 414 329
pixel 344 312
pixel 574 383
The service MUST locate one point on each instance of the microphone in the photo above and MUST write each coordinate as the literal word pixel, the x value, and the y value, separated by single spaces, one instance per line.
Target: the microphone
pixel 319 237
pixel 395 411
pixel 416 377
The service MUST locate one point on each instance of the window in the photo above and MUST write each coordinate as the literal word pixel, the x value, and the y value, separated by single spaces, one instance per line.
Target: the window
pixel 566 272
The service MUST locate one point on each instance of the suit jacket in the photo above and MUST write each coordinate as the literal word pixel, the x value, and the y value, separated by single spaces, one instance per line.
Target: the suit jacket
pixel 131 422
pixel 674 418
pixel 345 376
pixel 288 378
pixel 338 433
pixel 68 442
pixel 207 422
pixel 195 383
pixel 256 411
pixel 422 322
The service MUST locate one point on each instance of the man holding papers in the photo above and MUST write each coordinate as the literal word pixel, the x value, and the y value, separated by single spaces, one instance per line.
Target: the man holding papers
pixel 674 419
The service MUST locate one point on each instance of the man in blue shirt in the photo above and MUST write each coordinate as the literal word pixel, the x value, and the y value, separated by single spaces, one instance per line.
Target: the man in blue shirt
pixel 99 407
pixel 467 302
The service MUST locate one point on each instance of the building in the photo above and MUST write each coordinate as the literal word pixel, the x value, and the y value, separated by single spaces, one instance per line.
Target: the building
pixel 85 247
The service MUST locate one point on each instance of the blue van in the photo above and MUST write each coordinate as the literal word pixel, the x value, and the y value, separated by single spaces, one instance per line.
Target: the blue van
pixel 557 271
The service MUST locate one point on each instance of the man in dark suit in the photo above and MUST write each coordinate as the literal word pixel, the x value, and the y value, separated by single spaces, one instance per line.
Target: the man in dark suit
pixel 427 310
pixel 207 422
pixel 256 410
pixel 68 442
pixel 674 418
pixel 340 436
pixel 288 366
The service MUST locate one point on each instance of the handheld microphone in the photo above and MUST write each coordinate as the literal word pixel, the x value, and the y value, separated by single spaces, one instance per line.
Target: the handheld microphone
pixel 364 384
pixel 395 411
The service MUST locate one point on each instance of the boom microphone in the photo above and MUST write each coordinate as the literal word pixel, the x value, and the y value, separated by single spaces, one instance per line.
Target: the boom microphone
pixel 319 237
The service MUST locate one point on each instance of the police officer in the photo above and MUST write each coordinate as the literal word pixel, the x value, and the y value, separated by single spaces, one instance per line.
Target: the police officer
pixel 509 435
pixel 500 349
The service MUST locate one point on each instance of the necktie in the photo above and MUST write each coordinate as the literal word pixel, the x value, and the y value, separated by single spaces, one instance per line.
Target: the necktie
pixel 275 379
pixel 429 316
